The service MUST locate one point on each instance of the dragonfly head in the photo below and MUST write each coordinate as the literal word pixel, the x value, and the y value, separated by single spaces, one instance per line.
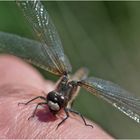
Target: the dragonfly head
pixel 55 101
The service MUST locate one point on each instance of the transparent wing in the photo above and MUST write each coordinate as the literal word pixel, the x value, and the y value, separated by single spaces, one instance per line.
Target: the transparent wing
pixel 46 32
pixel 26 49
pixel 114 94
pixel 80 74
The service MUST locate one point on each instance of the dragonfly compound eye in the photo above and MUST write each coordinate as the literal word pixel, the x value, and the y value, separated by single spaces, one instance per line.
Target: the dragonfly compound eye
pixel 55 100
pixel 52 100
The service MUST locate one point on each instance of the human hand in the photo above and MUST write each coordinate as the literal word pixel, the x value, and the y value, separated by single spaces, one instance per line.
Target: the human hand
pixel 19 82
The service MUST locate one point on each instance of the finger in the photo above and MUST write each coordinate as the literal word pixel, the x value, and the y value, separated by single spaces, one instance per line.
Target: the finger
pixel 19 82
pixel 14 70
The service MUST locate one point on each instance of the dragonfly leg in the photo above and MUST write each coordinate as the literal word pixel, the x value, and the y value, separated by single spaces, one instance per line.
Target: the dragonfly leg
pixel 67 116
pixel 41 97
pixel 73 111
pixel 34 112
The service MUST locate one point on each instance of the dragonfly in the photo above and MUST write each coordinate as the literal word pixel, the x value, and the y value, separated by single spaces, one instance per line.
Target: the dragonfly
pixel 50 56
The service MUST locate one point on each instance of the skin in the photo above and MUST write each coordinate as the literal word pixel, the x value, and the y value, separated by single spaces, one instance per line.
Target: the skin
pixel 20 82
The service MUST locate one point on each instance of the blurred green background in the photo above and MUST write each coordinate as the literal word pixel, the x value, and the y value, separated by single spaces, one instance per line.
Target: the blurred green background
pixel 102 36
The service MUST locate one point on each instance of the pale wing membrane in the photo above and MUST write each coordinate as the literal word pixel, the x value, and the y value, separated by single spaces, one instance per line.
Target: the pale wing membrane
pixel 114 94
pixel 80 74
pixel 45 30
pixel 26 49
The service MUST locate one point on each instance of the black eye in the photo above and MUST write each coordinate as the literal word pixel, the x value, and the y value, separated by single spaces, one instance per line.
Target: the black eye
pixel 52 96
pixel 61 100
pixel 56 98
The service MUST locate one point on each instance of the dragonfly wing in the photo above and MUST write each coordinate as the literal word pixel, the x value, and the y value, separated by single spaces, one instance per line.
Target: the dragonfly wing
pixel 114 94
pixel 46 32
pixel 26 49
pixel 80 74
